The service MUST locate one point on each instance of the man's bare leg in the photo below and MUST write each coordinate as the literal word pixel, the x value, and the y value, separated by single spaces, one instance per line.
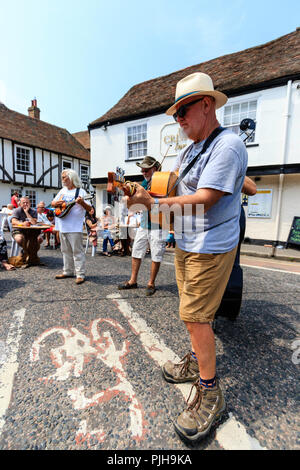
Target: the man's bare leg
pixel 203 343
pixel 153 273
pixel 20 240
pixel 135 267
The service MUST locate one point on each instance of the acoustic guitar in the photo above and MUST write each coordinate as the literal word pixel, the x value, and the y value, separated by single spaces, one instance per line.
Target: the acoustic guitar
pixel 162 183
pixel 65 208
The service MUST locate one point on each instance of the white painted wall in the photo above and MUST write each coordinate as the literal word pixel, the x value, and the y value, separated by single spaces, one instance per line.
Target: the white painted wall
pixel 266 228
pixel 41 194
pixel 108 150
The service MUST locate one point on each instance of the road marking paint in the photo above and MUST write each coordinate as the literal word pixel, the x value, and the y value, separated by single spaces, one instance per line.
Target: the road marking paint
pixel 269 269
pixel 10 366
pixel 154 346
pixel 251 266
pixel 76 351
pixel 232 434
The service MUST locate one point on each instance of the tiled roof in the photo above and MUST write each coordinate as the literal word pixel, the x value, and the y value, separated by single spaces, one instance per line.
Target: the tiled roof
pixel 232 74
pixel 84 138
pixel 29 131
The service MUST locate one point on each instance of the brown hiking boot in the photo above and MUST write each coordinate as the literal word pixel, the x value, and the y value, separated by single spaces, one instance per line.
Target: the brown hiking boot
pixel 201 414
pixel 186 370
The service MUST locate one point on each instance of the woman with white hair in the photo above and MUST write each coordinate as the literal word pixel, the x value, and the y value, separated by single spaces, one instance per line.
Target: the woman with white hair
pixel 71 225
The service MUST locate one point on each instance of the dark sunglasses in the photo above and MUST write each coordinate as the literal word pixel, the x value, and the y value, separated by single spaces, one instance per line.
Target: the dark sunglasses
pixel 181 112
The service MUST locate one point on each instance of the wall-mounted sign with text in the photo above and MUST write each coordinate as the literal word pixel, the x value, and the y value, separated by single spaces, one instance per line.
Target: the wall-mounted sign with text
pixel 172 139
pixel 260 205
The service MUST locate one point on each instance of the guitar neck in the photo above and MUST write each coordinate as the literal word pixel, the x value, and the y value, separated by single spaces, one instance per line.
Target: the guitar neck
pixel 113 183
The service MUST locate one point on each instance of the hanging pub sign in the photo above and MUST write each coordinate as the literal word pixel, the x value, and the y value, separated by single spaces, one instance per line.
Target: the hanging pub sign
pixel 172 139
pixel 260 205
pixel 294 235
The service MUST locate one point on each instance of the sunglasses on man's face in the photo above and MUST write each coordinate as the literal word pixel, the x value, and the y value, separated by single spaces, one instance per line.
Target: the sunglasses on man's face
pixel 181 112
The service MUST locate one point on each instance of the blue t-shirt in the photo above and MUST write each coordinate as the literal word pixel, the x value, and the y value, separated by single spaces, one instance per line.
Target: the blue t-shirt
pixel 223 167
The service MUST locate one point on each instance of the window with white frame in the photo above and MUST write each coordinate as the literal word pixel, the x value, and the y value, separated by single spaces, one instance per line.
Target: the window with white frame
pixel 16 189
pixel 22 159
pixel 84 172
pixel 66 165
pixel 32 197
pixel 137 141
pixel 236 112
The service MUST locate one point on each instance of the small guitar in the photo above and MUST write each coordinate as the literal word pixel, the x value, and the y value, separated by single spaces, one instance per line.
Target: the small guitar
pixel 161 183
pixel 65 208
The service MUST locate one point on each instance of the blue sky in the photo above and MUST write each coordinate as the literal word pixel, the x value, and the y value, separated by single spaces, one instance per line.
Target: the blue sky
pixel 78 58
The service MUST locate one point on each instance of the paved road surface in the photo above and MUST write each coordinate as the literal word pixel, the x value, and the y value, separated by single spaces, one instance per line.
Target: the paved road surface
pixel 80 365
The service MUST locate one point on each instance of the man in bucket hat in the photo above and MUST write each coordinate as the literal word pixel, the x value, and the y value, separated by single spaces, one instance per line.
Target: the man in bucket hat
pixel 212 169
pixel 147 234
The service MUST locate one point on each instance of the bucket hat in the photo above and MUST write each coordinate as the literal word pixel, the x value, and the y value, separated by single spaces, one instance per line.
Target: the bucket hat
pixel 148 162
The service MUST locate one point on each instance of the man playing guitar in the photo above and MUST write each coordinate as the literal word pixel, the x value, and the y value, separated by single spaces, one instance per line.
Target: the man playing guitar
pixel 214 168
pixel 147 233
pixel 70 227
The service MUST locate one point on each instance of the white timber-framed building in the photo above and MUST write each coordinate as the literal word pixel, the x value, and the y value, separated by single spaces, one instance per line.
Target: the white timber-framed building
pixel 262 83
pixel 33 153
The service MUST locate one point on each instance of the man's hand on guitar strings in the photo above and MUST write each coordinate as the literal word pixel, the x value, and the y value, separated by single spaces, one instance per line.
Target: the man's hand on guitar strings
pixel 79 200
pixel 141 196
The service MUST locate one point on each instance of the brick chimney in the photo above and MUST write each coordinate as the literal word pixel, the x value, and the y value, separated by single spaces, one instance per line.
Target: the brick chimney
pixel 34 111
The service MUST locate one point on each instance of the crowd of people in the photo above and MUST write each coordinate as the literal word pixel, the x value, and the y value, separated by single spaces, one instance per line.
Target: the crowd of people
pixel 117 232
pixel 212 174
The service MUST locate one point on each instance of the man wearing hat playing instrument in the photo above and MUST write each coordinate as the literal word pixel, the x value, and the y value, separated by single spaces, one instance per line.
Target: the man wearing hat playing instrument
pixel 203 258
pixel 147 234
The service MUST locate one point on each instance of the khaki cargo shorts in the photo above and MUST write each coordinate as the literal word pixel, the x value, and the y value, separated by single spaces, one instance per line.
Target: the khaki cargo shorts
pixel 202 279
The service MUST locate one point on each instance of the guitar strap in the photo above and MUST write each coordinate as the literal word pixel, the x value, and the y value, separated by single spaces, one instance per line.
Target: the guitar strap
pixel 207 143
pixel 77 193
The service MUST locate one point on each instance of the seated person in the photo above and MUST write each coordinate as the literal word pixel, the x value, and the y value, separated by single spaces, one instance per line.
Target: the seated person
pixel 41 215
pixel 108 223
pixel 3 254
pixel 132 222
pixel 91 222
pixel 23 216
pixel 51 229
pixel 170 242
pixel 45 211
pixel 43 218
pixel 7 209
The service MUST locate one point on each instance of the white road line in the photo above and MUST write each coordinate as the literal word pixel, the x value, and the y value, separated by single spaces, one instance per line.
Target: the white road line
pixel 153 345
pixel 269 269
pixel 232 435
pixel 10 365
pixel 251 266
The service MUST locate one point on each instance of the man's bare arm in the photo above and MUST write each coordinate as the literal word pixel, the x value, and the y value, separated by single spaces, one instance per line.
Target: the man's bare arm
pixel 249 187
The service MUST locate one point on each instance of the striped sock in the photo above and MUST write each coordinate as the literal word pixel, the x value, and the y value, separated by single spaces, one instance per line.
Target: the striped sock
pixel 208 383
pixel 194 356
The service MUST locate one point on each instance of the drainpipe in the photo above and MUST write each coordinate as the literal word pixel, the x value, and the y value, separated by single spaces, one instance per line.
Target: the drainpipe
pixel 284 157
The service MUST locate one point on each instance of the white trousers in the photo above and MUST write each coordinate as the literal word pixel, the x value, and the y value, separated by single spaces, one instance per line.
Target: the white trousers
pixel 73 253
